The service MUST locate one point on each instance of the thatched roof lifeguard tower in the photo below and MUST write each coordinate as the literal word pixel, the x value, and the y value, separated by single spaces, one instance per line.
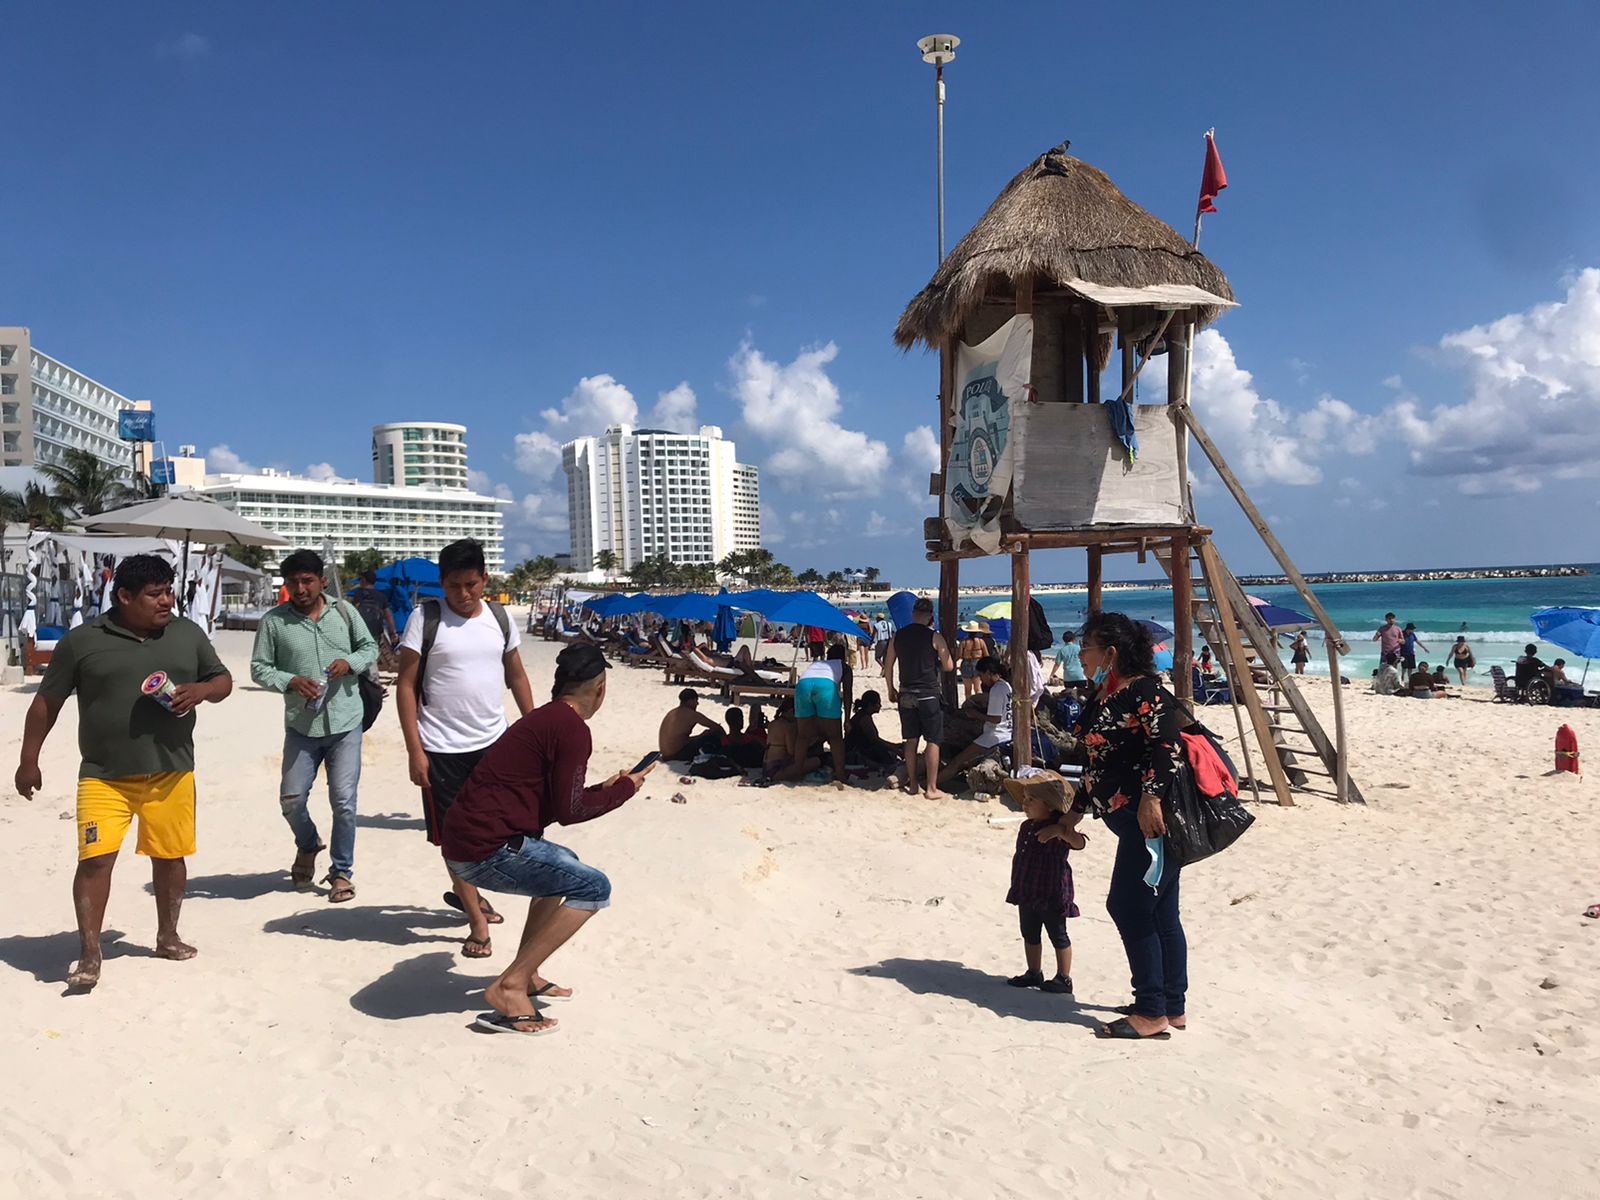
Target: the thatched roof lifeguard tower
pixel 1038 452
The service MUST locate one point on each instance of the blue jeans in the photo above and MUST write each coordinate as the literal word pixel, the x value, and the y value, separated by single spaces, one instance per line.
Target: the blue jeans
pixel 1152 935
pixel 340 755
pixel 531 866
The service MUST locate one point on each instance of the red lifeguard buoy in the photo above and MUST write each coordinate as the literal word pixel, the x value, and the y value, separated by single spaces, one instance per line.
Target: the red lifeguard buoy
pixel 1567 750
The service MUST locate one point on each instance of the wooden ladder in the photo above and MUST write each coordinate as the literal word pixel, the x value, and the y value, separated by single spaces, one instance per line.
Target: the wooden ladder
pixel 1291 740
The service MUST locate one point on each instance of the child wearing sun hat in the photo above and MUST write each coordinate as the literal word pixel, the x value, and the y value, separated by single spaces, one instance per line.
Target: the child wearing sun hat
pixel 1041 876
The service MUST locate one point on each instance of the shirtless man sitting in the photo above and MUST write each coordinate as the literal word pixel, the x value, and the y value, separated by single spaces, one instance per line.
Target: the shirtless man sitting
pixel 677 739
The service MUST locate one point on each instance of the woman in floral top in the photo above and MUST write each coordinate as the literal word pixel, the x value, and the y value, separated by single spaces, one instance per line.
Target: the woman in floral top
pixel 1129 731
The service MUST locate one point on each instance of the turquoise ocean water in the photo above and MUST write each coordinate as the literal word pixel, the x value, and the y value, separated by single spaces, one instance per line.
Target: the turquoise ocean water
pixel 1492 613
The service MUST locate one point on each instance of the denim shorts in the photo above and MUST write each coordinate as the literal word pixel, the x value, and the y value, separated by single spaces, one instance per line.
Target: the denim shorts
pixel 537 868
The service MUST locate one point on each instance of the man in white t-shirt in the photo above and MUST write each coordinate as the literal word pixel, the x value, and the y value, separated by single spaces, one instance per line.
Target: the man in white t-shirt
pixel 450 696
pixel 996 722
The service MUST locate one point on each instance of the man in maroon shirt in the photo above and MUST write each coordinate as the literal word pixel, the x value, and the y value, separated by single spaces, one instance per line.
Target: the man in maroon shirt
pixel 493 836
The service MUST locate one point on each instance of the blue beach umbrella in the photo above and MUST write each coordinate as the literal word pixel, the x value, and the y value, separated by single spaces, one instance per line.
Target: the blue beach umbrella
pixel 798 608
pixel 690 606
pixel 900 605
pixel 1576 630
pixel 614 604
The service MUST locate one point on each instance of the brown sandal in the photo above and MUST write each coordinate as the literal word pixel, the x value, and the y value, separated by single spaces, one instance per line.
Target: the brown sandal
pixel 477 948
pixel 340 889
pixel 303 871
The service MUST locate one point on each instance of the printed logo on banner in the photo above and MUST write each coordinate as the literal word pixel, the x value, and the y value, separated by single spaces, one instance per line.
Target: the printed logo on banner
pixel 978 475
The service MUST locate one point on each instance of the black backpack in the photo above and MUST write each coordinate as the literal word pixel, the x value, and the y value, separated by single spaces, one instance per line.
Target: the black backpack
pixel 1040 638
pixel 430 631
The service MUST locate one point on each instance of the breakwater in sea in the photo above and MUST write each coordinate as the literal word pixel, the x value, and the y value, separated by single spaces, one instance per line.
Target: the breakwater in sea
pixel 1419 576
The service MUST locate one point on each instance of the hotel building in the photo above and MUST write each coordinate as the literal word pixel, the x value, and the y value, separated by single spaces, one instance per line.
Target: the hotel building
pixel 420 454
pixel 48 408
pixel 397 520
pixel 639 493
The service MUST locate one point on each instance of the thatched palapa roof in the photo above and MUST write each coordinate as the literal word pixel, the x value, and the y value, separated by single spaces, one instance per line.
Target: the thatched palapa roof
pixel 1061 222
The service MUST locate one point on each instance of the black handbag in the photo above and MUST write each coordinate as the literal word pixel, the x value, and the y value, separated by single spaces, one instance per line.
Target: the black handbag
pixel 371 691
pixel 1199 826
pixel 372 694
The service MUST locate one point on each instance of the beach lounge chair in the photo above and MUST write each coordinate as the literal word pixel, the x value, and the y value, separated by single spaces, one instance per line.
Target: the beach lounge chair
pixel 1209 693
pixel 1504 690
pixel 39 648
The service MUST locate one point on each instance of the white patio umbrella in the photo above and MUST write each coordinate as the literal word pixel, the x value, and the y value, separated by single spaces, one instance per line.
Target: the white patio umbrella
pixel 188 517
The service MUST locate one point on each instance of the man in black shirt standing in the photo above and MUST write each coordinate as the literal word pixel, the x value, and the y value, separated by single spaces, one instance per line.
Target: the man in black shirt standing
pixel 922 657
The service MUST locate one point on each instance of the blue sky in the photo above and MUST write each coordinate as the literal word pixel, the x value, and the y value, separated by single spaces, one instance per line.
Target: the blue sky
pixel 285 223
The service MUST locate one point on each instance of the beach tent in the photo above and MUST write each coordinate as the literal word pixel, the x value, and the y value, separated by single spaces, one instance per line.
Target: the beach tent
pixel 616 604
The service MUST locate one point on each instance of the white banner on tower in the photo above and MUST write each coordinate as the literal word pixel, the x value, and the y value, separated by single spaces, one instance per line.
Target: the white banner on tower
pixel 990 378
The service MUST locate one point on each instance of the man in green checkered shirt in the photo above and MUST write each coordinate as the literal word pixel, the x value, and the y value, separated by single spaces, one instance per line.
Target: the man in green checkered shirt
pixel 312 651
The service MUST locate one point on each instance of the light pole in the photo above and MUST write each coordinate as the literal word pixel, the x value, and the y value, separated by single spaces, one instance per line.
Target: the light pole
pixel 938 49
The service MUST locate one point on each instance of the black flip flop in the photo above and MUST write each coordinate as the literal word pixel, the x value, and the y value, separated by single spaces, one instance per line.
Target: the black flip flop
pixel 545 994
pixel 495 1022
pixel 1122 1030
pixel 484 944
pixel 489 915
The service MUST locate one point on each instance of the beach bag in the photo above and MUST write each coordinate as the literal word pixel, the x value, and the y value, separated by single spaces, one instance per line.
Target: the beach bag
pixel 1201 808
pixel 371 691
pixel 1040 638
pixel 714 766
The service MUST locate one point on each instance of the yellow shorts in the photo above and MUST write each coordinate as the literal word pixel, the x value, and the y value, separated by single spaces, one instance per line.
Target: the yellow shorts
pixel 164 804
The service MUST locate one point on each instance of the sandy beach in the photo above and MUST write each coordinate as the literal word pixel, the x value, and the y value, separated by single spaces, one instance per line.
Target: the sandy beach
pixel 800 992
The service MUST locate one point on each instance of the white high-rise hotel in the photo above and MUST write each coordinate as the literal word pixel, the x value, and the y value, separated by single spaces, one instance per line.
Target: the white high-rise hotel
pixel 644 492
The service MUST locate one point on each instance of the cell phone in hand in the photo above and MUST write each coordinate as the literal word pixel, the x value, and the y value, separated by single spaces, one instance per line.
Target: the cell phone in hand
pixel 648 760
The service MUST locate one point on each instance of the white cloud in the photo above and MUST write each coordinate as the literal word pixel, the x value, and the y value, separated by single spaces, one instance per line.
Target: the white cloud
pixel 1333 425
pixel 537 454
pixel 478 480
pixel 1254 433
pixel 675 410
pixel 322 472
pixel 597 401
pixel 920 448
pixel 224 461
pixel 794 408
pixel 1533 399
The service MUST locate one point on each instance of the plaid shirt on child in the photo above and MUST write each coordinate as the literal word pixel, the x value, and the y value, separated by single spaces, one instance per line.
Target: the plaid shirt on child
pixel 1041 876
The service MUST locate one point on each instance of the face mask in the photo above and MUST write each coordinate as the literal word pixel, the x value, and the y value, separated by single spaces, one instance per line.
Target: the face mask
pixel 1156 848
pixel 1100 676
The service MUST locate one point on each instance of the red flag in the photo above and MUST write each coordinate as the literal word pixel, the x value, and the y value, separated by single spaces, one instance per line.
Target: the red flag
pixel 1214 179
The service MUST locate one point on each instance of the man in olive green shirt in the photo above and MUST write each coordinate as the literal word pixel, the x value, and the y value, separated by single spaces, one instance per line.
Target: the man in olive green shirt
pixel 137 752
pixel 312 651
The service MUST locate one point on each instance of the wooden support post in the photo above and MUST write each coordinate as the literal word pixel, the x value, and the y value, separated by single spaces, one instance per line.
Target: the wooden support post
pixel 1178 359
pixel 1182 621
pixel 1091 355
pixel 1021 677
pixel 1095 579
pixel 1341 770
pixel 1329 629
pixel 1242 686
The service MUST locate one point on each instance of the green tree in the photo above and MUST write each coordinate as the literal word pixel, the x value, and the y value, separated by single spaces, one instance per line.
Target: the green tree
pixel 43 511
pixel 250 556
pixel 834 581
pixel 606 562
pixel 542 570
pixel 13 511
pixel 809 578
pixel 870 576
pixel 358 562
pixel 85 484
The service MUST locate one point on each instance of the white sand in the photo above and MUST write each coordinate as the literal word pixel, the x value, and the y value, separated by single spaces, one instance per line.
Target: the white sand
pixel 799 993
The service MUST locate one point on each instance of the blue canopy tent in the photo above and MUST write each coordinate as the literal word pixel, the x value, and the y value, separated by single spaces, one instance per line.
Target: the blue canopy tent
pixel 617 603
pixel 797 608
pixel 404 582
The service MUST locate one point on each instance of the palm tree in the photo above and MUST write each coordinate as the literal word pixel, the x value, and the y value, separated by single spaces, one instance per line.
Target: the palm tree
pixel 42 510
pixel 13 511
pixel 810 578
pixel 606 562
pixel 835 582
pixel 358 562
pixel 84 483
pixel 870 576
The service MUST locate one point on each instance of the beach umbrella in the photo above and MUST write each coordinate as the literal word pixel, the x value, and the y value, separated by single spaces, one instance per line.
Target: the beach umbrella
pixel 1276 616
pixel 1000 608
pixel 1158 633
pixel 188 517
pixel 1000 629
pixel 726 626
pixel 690 606
pixel 900 605
pixel 409 572
pixel 1163 657
pixel 1573 629
pixel 799 608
